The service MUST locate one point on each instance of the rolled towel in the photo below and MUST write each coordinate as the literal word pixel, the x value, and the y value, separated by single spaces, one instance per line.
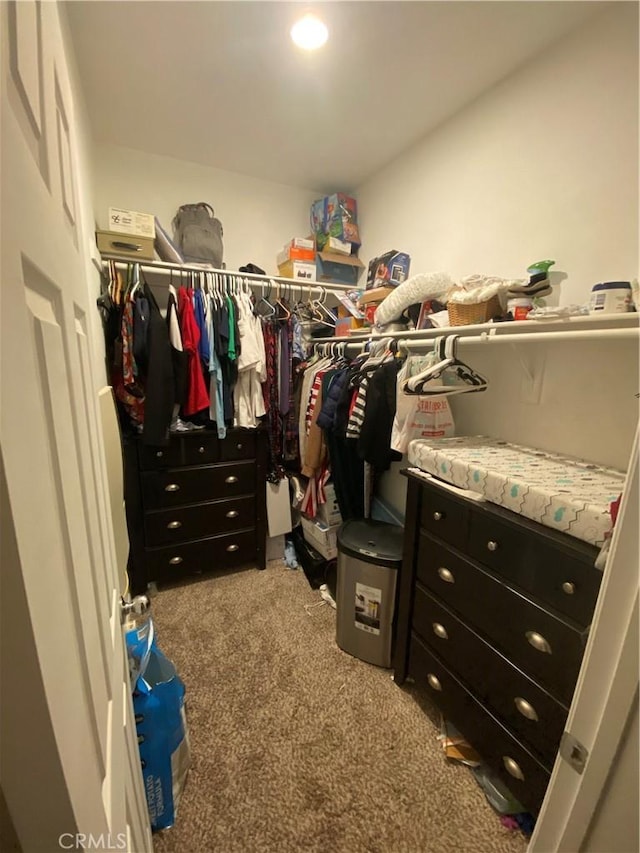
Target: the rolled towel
pixel 418 288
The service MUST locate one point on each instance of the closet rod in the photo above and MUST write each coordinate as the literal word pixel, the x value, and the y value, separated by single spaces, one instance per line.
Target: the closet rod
pixel 529 337
pixel 165 268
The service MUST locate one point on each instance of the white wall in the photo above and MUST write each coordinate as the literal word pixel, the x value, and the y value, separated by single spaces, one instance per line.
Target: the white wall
pixel 544 165
pixel 258 216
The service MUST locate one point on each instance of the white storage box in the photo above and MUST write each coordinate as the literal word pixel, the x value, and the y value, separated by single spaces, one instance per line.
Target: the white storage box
pixel 131 222
pixel 321 537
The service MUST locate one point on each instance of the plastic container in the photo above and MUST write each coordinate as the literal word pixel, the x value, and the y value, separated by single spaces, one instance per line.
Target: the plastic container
pixel 520 307
pixel 611 297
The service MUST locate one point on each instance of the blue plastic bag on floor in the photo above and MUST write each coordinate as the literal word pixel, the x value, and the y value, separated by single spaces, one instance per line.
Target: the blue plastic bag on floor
pixel 158 703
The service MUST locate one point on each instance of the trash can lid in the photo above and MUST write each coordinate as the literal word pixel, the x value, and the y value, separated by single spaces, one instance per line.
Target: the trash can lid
pixel 372 541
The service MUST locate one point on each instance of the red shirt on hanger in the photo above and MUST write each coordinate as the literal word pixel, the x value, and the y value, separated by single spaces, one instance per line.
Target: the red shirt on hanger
pixel 197 394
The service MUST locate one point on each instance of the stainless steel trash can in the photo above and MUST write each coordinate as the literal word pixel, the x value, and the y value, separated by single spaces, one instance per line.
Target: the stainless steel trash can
pixel 369 556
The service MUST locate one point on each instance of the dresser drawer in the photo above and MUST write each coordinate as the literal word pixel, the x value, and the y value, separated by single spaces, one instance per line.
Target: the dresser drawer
pixel 489 737
pixel 238 446
pixel 168 526
pixel 444 516
pixel 151 458
pixel 546 647
pixel 528 710
pixel 219 552
pixel 568 582
pixel 200 448
pixel 178 486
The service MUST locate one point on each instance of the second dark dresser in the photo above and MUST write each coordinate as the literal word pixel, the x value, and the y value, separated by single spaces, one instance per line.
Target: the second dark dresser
pixel 196 505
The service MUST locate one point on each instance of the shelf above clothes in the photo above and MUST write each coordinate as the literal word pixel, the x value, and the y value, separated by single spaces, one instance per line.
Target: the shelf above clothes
pixel 596 327
pixel 164 268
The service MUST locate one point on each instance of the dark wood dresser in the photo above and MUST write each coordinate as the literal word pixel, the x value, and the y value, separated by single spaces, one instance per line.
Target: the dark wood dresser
pixel 493 616
pixel 196 505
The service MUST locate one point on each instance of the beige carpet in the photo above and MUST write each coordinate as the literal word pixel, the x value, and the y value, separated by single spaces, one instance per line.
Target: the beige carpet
pixel 297 746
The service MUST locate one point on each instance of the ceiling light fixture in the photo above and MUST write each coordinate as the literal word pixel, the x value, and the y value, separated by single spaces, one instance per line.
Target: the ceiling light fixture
pixel 309 32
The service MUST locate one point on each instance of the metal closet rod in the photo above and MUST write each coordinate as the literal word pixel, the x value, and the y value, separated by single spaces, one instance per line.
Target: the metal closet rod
pixel 492 336
pixel 258 279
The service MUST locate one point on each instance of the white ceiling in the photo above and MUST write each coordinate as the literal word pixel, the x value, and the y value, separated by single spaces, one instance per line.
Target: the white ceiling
pixel 220 83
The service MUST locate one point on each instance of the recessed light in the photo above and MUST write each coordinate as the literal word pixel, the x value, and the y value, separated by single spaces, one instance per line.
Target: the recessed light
pixel 309 32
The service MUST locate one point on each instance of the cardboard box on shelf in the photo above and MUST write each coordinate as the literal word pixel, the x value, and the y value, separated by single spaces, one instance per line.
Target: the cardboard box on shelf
pixel 392 268
pixel 329 512
pixel 376 294
pixel 123 221
pixel 298 269
pixel 342 247
pixel 125 245
pixel 345 325
pixel 339 269
pixel 322 537
pixel 292 253
pixel 298 249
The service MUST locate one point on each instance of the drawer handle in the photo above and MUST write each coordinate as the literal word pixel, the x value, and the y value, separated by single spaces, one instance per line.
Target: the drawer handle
pixel 492 545
pixel 434 682
pixel 233 513
pixel 525 708
pixel 159 453
pixel 513 768
pixel 568 588
pixel 172 487
pixel 175 561
pixel 231 480
pixel 174 525
pixel 239 446
pixel 201 450
pixel 446 575
pixel 538 642
pixel 440 631
pixel 232 548
pixel 438 516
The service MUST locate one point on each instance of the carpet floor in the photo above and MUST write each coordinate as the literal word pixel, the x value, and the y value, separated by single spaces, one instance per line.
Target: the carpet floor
pixel 297 746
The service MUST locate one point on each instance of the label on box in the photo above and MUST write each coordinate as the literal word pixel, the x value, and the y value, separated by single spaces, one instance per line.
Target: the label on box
pixel 131 222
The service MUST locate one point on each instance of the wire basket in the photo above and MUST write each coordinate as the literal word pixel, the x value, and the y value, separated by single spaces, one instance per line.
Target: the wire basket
pixel 467 314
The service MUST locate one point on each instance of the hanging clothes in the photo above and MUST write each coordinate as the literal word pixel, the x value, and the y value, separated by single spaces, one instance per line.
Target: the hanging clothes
pixel 159 382
pixel 197 394
pixel 252 369
pixel 178 355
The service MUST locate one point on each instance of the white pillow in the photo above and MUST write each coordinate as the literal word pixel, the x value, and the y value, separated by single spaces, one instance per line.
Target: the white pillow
pixel 418 288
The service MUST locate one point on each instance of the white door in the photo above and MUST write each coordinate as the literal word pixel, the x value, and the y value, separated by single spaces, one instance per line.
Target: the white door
pixel 69 762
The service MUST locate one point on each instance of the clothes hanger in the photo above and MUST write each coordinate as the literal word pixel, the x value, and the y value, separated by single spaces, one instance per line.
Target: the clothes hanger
pixel 471 380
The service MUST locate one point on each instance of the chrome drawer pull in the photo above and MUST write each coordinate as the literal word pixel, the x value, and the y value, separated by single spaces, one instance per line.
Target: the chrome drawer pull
pixel 174 525
pixel 233 513
pixel 513 768
pixel 175 561
pixel 538 642
pixel 231 480
pixel 492 546
pixel 525 708
pixel 434 682
pixel 239 446
pixel 232 548
pixel 172 487
pixel 201 450
pixel 440 631
pixel 568 588
pixel 438 516
pixel 159 453
pixel 446 575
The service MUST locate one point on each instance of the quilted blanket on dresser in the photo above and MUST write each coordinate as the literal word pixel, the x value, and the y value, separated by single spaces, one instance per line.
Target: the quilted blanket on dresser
pixel 562 492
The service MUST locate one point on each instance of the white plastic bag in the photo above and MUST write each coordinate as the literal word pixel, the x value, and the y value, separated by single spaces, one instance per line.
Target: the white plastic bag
pixel 419 417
